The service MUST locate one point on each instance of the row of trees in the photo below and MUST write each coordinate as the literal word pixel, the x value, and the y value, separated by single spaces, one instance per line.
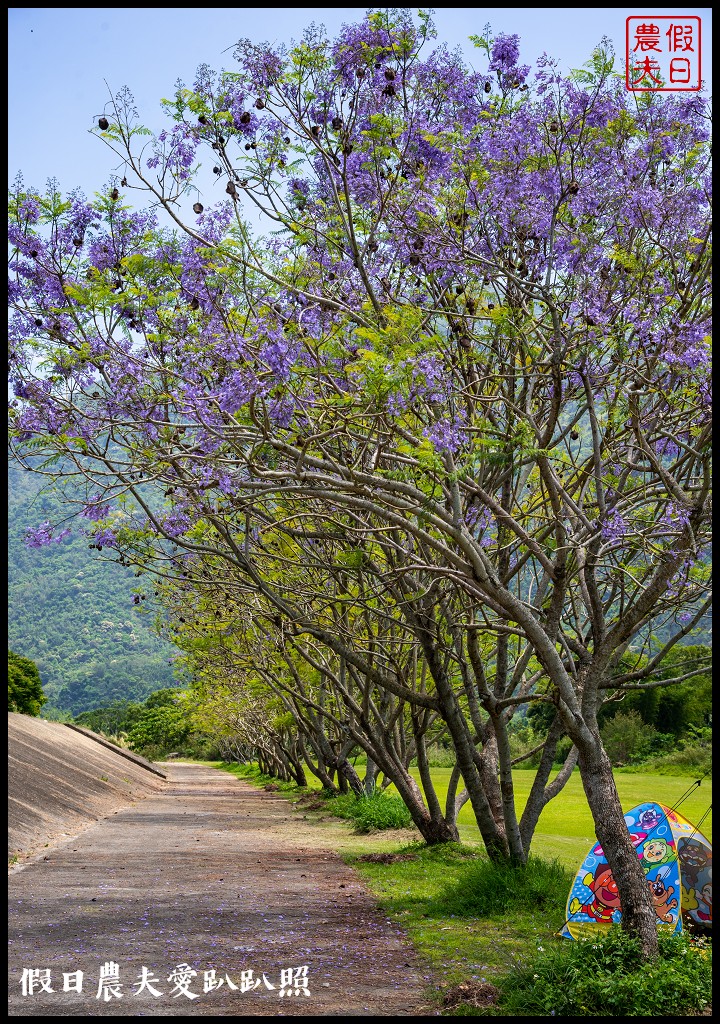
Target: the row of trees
pixel 244 719
pixel 435 447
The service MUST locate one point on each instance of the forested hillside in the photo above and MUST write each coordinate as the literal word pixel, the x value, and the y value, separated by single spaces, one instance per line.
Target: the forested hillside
pixel 73 615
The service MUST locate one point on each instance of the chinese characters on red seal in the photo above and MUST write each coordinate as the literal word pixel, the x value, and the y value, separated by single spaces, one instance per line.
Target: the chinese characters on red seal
pixel 663 53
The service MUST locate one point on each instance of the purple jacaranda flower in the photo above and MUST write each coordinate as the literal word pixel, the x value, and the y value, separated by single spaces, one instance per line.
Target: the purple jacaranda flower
pixel 175 523
pixel 681 579
pixel 29 210
pixel 613 526
pixel 281 411
pixel 505 53
pixel 279 352
pixel 397 403
pixel 106 538
pixel 430 379
pixel 95 509
pixel 214 222
pixel 226 484
pixel 676 515
pixel 480 521
pixel 176 150
pixel 237 389
pixel 446 435
pixel 667 447
pixel 690 348
pixel 44 534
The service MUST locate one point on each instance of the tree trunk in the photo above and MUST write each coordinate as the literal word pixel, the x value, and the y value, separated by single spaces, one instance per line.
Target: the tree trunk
pixel 470 766
pixel 298 770
pixel 436 830
pixel 370 779
pixel 433 828
pixel 468 758
pixel 425 774
pixel 347 772
pixel 317 770
pixel 503 760
pixel 638 913
pixel 454 801
pixel 541 791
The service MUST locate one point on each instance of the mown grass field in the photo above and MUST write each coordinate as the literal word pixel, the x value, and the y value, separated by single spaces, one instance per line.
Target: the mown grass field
pixel 565 831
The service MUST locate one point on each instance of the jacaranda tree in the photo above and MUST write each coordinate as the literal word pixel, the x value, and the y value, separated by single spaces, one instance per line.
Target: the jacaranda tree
pixel 473 333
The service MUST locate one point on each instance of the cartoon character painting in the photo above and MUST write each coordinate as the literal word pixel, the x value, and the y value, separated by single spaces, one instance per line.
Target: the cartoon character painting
pixel 695 855
pixel 650 819
pixel 695 859
pixel 605 900
pixel 656 852
pixel 704 908
pixel 661 897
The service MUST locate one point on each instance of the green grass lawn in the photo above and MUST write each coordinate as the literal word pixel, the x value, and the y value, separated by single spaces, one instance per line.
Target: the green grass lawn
pixel 565 830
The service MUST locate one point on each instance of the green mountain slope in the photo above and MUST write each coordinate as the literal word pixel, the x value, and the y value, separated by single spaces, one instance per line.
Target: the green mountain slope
pixel 73 615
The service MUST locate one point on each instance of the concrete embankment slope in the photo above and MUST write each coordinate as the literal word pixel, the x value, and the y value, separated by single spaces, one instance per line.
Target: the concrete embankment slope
pixel 60 780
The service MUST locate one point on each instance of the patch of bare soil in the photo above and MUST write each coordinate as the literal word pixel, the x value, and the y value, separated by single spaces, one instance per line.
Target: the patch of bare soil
pixel 312 802
pixel 209 898
pixel 479 994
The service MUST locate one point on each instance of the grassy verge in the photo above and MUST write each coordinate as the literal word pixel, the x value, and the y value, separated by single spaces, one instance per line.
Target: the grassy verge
pixel 425 894
pixel 490 934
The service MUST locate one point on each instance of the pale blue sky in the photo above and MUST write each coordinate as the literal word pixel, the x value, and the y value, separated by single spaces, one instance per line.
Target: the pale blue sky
pixel 59 60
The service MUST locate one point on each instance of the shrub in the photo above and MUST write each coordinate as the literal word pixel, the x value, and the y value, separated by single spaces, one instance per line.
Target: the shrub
pixel 607 976
pixel 251 772
pixel 563 749
pixel 374 813
pixel 160 728
pixel 340 806
pixel 627 739
pixel 488 889
pixel 441 757
pixel 201 747
pixel 524 739
pixel 25 692
pixel 379 812
pixel 690 758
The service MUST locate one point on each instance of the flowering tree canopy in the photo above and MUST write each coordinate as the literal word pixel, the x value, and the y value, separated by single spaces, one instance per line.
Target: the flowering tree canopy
pixel 469 357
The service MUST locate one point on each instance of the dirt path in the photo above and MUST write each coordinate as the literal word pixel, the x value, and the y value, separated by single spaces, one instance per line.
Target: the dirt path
pixel 213 874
